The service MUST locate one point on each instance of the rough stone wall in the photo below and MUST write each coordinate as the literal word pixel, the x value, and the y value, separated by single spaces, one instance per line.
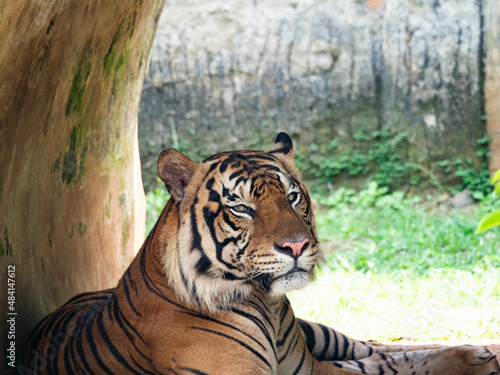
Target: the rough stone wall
pixel 71 199
pixel 492 88
pixel 228 75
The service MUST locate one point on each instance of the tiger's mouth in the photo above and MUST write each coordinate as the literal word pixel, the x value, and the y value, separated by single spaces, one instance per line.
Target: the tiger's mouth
pixel 294 270
pixel 293 279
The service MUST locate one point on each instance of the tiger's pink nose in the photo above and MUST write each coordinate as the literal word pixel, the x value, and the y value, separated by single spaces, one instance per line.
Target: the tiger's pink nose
pixel 294 248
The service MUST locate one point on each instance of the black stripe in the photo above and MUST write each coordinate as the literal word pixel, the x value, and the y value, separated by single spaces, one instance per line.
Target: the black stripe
pixel 230 277
pixel 248 155
pixel 326 342
pixel 123 323
pixel 67 365
pixel 203 264
pixel 240 180
pixel 297 370
pixel 63 322
pixel 194 229
pixel 210 217
pixel 210 183
pixel 225 163
pixel 42 330
pixel 309 335
pixel 336 346
pixel 236 174
pixel 284 310
pixel 280 342
pixel 91 344
pixel 150 285
pixel 213 157
pixel 243 248
pixel 127 292
pixel 111 347
pixel 237 341
pixel 94 296
pixel 270 167
pixel 259 324
pixel 144 371
pixel 261 311
pixel 346 345
pixel 370 349
pixel 213 196
pixel 193 371
pixel 228 221
pixel 384 358
pixel 264 305
pixel 361 366
pixel 109 308
pixel 204 317
pixel 67 319
pixel 292 344
pixel 90 313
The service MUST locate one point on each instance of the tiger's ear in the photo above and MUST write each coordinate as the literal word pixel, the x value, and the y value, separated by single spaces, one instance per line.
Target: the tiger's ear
pixel 176 171
pixel 283 146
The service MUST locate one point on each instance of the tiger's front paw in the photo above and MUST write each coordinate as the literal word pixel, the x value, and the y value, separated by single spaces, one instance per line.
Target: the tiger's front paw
pixel 477 360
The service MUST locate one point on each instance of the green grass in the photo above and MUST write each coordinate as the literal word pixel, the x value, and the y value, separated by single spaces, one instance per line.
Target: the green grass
pixel 405 270
pixel 413 237
pixel 443 305
pixel 155 202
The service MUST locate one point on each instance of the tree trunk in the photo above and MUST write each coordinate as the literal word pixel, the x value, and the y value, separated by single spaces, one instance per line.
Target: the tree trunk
pixel 492 86
pixel 71 198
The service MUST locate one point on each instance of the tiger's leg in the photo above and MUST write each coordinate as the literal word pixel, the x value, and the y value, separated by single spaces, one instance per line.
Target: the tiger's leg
pixel 458 360
pixel 326 344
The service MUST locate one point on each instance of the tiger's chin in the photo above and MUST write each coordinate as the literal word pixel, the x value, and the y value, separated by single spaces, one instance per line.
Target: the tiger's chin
pixel 290 281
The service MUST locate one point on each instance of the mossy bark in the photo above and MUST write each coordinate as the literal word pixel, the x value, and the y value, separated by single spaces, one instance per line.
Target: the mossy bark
pixel 492 86
pixel 71 198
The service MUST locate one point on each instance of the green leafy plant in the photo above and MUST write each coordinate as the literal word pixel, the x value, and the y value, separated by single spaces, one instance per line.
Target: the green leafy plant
pixel 492 219
pixel 472 178
pixel 156 200
pixel 372 195
pixel 383 154
pixel 477 180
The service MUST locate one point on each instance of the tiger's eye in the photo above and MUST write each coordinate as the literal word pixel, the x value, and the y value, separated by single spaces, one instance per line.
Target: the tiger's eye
pixel 240 208
pixel 292 197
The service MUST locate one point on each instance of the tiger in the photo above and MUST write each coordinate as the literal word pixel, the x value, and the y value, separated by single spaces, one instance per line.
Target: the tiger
pixel 206 293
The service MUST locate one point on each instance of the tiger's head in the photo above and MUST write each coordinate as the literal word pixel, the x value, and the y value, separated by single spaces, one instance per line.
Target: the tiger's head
pixel 244 222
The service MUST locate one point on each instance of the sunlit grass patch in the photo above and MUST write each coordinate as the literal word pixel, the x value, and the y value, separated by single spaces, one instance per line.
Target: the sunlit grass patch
pixel 443 304
pixel 403 269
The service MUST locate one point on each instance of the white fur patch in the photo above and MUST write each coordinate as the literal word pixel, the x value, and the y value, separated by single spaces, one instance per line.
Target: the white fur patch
pixel 290 282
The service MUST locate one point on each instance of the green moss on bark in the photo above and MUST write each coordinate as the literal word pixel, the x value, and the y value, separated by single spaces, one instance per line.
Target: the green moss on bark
pixel 78 86
pixel 6 248
pixel 73 167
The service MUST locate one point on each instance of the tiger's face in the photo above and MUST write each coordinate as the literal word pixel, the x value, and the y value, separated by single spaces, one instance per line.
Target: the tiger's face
pixel 245 222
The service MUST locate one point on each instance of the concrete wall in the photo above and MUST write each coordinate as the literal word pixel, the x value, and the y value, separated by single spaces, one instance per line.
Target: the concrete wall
pixel 228 75
pixel 492 88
